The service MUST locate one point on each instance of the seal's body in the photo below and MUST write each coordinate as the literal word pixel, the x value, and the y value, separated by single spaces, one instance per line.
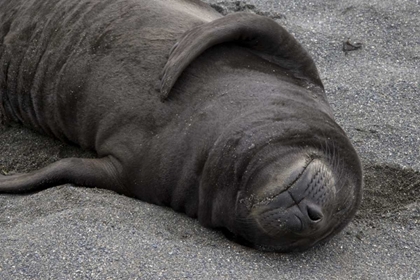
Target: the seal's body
pixel 234 128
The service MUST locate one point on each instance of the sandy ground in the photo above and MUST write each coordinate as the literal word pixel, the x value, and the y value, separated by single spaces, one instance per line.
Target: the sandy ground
pixel 77 233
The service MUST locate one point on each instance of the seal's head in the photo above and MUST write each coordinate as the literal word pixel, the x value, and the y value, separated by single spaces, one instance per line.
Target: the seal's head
pixel 290 194
pixel 295 199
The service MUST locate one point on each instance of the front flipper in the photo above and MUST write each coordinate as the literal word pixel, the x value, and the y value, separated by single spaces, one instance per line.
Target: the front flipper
pixel 259 33
pixel 101 173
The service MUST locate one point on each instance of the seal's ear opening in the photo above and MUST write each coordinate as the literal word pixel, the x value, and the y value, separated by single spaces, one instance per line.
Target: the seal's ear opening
pixel 261 34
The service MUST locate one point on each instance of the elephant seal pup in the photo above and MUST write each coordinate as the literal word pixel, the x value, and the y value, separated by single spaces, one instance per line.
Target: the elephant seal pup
pixel 239 134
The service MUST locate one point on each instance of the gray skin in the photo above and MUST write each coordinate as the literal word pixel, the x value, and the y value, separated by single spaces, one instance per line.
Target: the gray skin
pixel 233 128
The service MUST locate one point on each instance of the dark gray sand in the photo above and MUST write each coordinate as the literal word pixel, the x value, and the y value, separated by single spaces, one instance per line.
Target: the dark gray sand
pixel 77 233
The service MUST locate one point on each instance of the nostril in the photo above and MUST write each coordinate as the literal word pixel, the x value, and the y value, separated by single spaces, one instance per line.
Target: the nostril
pixel 314 213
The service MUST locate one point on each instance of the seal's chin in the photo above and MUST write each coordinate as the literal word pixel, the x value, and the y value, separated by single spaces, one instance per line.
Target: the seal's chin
pixel 294 209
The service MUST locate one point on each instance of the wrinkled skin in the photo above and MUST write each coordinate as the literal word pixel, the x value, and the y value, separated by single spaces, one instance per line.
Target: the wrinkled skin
pixel 233 128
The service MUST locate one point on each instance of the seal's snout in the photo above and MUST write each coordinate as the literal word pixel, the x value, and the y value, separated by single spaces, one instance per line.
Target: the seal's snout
pixel 312 193
pixel 300 210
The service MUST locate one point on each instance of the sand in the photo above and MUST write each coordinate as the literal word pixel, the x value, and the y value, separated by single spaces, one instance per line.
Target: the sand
pixel 69 232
